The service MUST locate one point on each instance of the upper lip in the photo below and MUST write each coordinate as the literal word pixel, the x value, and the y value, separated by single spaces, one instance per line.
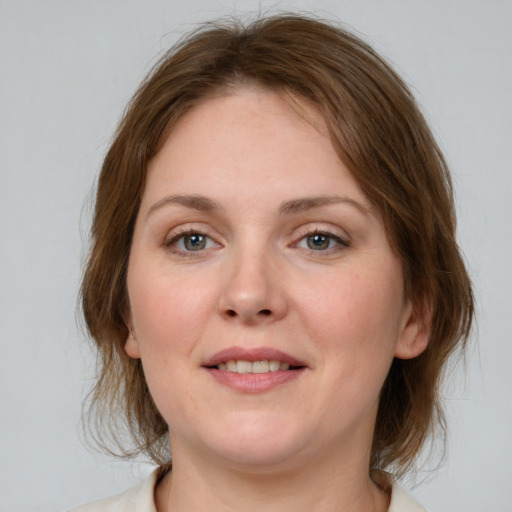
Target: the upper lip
pixel 252 354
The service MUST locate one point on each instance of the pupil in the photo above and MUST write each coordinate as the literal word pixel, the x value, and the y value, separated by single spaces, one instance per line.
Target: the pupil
pixel 318 242
pixel 195 242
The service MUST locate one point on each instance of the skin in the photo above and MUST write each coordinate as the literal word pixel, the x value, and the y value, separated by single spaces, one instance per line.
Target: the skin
pixel 340 309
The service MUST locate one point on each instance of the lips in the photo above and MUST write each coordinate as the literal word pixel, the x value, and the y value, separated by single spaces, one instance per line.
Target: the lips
pixel 260 356
pixel 262 366
pixel 253 370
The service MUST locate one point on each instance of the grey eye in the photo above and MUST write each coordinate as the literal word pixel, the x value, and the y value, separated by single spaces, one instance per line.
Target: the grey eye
pixel 190 242
pixel 194 242
pixel 318 242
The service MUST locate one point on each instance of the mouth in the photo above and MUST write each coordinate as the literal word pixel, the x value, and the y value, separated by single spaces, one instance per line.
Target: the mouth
pixel 253 370
pixel 253 360
pixel 262 366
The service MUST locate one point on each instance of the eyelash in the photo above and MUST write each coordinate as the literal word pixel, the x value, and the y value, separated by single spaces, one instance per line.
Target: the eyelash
pixel 341 242
pixel 171 242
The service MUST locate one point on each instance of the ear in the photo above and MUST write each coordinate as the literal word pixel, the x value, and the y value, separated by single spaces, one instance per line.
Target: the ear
pixel 415 328
pixel 131 346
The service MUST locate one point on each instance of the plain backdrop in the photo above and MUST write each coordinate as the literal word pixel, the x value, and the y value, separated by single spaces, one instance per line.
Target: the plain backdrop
pixel 67 68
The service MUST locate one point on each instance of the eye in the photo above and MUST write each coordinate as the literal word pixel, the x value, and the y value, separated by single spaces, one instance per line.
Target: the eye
pixel 190 241
pixel 319 241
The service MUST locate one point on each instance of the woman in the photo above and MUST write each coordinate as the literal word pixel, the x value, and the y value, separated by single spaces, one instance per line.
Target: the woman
pixel 274 284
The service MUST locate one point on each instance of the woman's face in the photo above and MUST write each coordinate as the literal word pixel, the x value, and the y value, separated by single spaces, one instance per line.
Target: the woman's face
pixel 254 250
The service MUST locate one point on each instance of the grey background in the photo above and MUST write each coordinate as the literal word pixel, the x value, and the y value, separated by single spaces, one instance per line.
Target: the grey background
pixel 67 68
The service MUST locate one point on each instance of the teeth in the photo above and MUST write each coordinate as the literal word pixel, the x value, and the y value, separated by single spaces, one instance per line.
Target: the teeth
pixel 244 367
pixel 260 367
pixel 263 366
pixel 273 366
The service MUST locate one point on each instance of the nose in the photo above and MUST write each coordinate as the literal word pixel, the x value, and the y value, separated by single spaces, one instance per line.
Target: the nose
pixel 253 290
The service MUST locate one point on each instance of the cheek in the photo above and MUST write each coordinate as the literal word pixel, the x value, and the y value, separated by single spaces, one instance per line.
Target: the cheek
pixel 168 313
pixel 169 317
pixel 355 329
pixel 356 319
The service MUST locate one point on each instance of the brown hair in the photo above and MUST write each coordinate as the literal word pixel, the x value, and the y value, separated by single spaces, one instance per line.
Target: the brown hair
pixel 378 132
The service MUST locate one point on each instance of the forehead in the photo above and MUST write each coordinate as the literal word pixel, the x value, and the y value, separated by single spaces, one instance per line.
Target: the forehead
pixel 252 137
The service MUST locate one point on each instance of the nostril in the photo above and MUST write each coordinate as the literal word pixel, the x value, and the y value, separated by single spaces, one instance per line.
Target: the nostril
pixel 232 313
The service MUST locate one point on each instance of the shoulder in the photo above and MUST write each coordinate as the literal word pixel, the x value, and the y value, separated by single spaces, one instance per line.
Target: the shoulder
pixel 136 499
pixel 402 502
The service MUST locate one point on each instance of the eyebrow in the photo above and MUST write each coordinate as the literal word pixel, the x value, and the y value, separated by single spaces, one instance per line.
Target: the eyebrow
pixel 195 202
pixel 206 204
pixel 309 203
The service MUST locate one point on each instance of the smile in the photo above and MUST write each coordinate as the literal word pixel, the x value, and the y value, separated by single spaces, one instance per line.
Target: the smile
pixel 253 370
pixel 252 360
pixel 242 366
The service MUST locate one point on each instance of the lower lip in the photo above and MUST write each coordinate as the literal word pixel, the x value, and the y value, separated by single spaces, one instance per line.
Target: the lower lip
pixel 254 382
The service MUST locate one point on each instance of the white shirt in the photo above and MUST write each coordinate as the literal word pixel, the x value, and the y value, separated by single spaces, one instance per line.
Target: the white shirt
pixel 141 499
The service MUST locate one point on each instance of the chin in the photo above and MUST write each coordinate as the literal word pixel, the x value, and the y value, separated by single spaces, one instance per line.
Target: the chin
pixel 260 457
pixel 256 444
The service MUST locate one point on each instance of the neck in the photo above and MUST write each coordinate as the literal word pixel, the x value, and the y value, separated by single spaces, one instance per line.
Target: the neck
pixel 315 485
